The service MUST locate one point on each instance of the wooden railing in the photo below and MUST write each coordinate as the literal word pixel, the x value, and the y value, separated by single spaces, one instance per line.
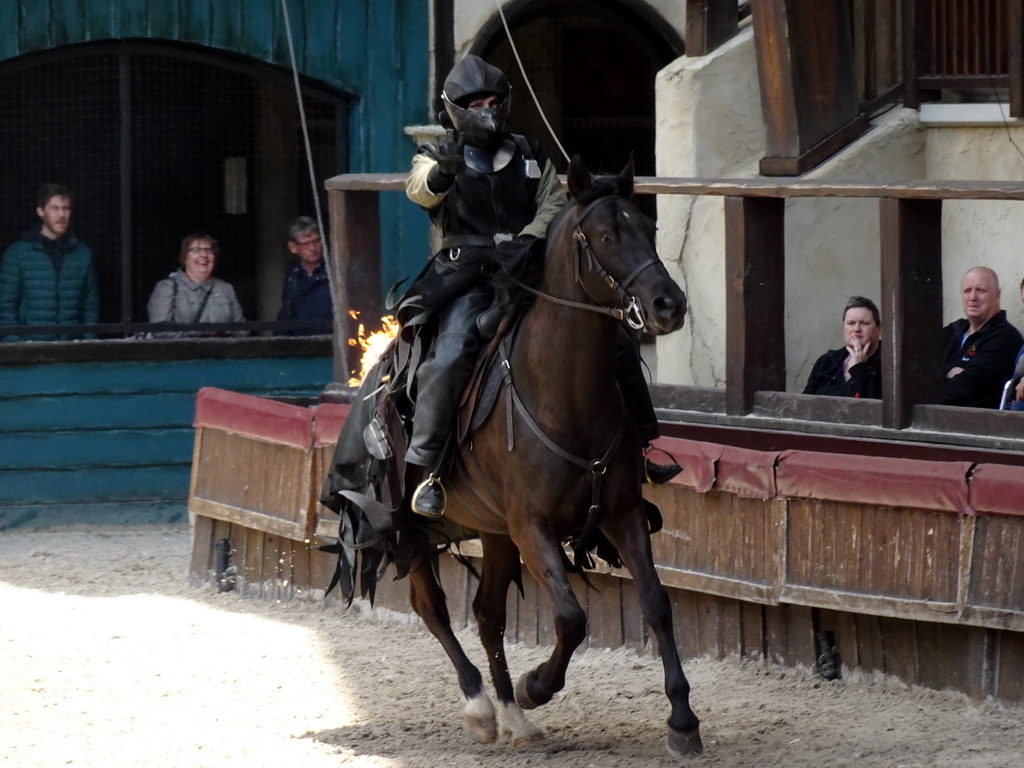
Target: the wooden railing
pixel 972 46
pixel 755 258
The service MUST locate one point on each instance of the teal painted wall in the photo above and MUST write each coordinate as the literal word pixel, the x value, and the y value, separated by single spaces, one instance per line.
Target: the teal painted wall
pixel 375 50
pixel 112 442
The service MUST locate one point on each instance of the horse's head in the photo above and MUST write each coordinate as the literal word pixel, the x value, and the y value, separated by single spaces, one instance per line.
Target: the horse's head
pixel 616 262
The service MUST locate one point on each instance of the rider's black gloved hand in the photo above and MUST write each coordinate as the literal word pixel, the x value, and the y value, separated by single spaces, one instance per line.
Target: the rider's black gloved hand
pixel 449 163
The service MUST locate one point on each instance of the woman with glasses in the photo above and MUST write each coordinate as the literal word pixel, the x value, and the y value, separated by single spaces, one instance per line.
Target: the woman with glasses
pixel 192 295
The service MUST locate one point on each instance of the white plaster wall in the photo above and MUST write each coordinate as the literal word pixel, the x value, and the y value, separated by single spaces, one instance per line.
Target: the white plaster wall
pixel 471 15
pixel 832 244
pixel 708 125
pixel 982 232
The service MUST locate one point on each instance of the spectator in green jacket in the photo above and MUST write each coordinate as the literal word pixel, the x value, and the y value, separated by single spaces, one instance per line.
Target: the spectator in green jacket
pixel 48 277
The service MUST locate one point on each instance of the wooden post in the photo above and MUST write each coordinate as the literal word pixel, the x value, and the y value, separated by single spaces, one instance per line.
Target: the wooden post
pixel 355 266
pixel 912 46
pixel 755 261
pixel 911 252
pixel 808 88
pixel 709 23
pixel 1016 63
pixel 444 43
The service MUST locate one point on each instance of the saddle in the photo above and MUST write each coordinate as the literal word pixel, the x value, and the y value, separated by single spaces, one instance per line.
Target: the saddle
pixel 481 393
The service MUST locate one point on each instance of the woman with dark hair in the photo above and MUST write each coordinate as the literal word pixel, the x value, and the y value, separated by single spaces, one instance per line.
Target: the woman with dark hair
pixel 854 370
pixel 191 294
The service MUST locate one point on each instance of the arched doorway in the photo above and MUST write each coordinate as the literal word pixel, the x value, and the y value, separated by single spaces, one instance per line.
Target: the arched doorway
pixel 160 140
pixel 592 66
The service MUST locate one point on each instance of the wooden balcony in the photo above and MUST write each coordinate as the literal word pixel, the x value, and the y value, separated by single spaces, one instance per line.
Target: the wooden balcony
pixel 911 258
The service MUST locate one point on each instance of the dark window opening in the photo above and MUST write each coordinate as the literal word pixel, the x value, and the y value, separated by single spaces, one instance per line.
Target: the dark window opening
pixel 142 135
pixel 593 71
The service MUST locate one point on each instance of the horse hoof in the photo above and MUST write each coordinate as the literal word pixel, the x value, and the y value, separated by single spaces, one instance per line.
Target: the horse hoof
pixel 514 724
pixel 527 736
pixel 479 719
pixel 684 743
pixel 481 731
pixel 523 694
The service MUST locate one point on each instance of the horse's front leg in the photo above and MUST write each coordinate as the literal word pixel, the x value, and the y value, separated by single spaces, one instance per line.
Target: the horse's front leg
pixel 500 568
pixel 428 600
pixel 629 533
pixel 544 560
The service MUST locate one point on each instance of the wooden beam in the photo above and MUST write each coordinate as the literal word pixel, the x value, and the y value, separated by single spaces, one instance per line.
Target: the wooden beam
pixel 355 266
pixel 913 42
pixel 444 44
pixel 1016 63
pixel 709 23
pixel 755 300
pixel 808 87
pixel 911 260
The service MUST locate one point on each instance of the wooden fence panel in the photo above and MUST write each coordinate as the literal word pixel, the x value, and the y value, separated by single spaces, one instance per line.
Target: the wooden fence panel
pixel 998 578
pixel 718 541
pixel 747 572
pixel 856 549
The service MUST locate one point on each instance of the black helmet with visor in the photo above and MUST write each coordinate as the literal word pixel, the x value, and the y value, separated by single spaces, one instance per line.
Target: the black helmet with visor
pixel 471 79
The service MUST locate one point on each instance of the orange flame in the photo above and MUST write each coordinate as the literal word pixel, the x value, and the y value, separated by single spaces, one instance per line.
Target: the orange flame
pixel 372 344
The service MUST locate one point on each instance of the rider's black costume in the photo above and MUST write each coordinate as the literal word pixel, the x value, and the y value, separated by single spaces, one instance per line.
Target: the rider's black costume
pixel 503 188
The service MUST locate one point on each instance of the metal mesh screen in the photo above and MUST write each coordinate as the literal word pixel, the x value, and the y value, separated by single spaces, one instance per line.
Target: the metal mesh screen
pixel 142 140
pixel 593 75
pixel 61 125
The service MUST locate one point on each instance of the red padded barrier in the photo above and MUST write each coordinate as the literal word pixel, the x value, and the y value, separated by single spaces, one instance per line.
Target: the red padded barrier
pixel 254 417
pixel 697 458
pixel 747 473
pixel 887 482
pixel 997 488
pixel 327 422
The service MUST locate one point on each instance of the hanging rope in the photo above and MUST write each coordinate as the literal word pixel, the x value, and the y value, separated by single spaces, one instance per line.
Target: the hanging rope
pixel 335 290
pixel 529 86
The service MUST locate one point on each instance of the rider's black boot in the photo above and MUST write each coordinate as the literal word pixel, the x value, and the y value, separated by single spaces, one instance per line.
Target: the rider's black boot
pixel 657 474
pixel 429 498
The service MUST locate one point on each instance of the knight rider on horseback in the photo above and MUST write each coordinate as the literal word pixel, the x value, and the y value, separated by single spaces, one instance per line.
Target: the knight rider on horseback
pixel 484 189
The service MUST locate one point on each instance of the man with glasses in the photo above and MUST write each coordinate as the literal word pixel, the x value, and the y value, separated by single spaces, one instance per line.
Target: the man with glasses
pixel 48 277
pixel 307 291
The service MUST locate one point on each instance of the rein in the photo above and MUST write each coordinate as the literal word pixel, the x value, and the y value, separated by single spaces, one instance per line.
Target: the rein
pixel 631 312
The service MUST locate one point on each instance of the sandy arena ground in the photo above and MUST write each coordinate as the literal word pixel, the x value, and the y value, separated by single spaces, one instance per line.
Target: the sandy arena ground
pixel 109 658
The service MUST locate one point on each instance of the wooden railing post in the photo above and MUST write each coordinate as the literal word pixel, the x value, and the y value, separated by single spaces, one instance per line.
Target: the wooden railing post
pixel 355 268
pixel 913 41
pixel 755 269
pixel 1016 63
pixel 808 89
pixel 709 23
pixel 911 255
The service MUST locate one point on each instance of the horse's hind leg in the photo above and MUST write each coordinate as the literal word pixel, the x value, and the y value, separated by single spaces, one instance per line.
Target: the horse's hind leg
pixel 632 539
pixel 500 568
pixel 428 600
pixel 544 560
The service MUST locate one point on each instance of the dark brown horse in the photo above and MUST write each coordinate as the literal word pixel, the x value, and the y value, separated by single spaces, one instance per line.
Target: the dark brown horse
pixel 575 465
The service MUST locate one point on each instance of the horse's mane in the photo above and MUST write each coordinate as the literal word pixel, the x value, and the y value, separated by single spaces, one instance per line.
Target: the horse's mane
pixel 526 265
pixel 601 186
pixel 607 186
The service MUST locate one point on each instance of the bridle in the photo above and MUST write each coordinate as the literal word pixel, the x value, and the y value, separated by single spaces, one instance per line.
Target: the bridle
pixel 631 312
